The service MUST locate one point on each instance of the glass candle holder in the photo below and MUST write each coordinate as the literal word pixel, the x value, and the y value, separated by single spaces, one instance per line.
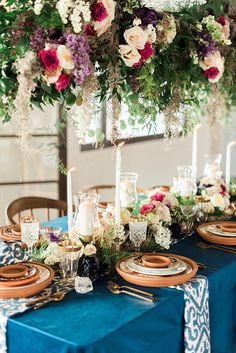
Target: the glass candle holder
pixel 128 190
pixel 70 258
pixel 212 167
pixel 86 219
pixel 29 231
pixel 187 186
pixel 137 231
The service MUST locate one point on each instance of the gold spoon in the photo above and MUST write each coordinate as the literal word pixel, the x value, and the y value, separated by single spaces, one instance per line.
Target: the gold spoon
pixel 115 285
pixel 56 297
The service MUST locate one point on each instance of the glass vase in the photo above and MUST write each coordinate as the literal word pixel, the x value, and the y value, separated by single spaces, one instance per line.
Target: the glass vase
pixel 212 167
pixel 128 190
pixel 186 186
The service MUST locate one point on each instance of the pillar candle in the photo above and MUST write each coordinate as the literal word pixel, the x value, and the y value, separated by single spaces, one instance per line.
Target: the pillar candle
pixel 228 163
pixel 86 218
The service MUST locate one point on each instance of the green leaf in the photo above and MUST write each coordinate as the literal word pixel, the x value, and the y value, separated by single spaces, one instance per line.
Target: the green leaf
pixel 70 99
pixel 22 46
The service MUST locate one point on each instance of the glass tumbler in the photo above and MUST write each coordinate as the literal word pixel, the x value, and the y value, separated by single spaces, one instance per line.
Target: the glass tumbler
pixel 70 258
pixel 137 231
pixel 29 231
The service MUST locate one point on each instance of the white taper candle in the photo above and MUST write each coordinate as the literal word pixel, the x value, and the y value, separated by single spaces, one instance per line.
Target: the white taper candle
pixel 69 199
pixel 228 163
pixel 194 150
pixel 118 171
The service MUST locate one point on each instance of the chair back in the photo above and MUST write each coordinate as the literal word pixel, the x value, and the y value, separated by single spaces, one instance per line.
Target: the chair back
pixel 17 207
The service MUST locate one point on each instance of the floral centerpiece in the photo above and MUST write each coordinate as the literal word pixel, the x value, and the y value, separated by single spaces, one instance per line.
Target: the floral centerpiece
pixel 152 58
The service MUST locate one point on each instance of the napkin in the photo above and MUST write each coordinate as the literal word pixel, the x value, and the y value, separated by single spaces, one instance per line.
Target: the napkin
pixel 196 315
pixel 11 252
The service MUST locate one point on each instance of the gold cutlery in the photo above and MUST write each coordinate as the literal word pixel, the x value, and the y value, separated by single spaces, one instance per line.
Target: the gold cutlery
pixel 115 285
pixel 123 291
pixel 56 297
pixel 205 246
pixel 39 300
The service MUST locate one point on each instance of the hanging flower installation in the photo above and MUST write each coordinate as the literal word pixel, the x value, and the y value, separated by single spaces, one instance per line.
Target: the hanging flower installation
pixel 152 56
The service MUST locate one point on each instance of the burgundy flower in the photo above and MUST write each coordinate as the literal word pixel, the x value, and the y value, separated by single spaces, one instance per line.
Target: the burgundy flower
pixel 98 11
pixel 49 59
pixel 221 20
pixel 157 197
pixel 223 190
pixel 147 209
pixel 145 53
pixel 62 82
pixel 89 30
pixel 211 73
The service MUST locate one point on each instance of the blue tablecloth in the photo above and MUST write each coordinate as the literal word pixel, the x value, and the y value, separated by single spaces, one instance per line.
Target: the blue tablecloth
pixel 101 322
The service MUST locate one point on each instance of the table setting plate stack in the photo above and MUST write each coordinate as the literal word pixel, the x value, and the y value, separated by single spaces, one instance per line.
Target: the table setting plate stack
pixel 223 233
pixel 157 270
pixel 24 279
pixel 10 233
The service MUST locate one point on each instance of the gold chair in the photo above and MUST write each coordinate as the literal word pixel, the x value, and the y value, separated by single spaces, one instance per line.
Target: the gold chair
pixel 30 203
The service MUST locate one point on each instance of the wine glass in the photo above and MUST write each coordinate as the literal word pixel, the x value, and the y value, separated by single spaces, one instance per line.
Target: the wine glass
pixel 137 232
pixel 29 231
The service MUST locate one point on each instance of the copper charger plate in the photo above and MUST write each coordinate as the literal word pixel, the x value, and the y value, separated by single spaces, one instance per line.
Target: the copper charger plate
pixel 46 275
pixel 31 276
pixel 158 281
pixel 7 233
pixel 213 238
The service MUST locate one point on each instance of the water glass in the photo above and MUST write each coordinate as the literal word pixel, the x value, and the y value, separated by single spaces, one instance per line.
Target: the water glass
pixel 137 231
pixel 70 258
pixel 29 231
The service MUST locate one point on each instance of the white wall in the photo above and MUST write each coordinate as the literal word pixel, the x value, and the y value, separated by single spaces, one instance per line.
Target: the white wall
pixel 149 159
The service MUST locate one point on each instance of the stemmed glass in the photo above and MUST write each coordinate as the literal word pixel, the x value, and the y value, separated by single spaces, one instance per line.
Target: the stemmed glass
pixel 137 231
pixel 29 231
pixel 188 211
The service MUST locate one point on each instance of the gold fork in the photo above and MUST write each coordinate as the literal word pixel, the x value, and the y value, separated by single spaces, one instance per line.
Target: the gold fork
pixel 115 285
pixel 123 291
pixel 205 246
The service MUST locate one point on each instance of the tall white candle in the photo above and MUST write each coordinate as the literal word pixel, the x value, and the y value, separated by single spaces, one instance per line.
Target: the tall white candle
pixel 194 150
pixel 228 162
pixel 69 199
pixel 118 170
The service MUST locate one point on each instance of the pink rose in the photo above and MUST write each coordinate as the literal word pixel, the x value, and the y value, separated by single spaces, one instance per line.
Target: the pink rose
pixel 49 59
pixel 211 73
pixel 102 26
pixel 98 12
pixel 62 82
pixel 145 53
pixel 157 197
pixel 147 209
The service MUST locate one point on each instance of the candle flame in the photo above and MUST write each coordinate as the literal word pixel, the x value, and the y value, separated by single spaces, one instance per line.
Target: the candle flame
pixel 232 143
pixel 121 144
pixel 72 169
pixel 198 126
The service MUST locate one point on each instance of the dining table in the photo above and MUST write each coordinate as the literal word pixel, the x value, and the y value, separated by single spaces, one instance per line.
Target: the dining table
pixel 101 322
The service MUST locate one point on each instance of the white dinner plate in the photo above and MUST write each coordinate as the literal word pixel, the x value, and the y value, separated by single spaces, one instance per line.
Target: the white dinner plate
pixel 176 266
pixel 217 231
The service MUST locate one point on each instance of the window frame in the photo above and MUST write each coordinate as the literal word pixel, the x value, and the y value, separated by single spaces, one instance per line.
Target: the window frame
pixel 106 143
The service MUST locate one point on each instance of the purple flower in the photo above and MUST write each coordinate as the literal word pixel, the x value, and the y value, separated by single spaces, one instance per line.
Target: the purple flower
pixel 80 50
pixel 37 39
pixel 206 45
pixel 53 237
pixel 147 16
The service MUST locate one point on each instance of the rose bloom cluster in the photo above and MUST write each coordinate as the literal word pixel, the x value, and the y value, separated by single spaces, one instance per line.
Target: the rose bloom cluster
pixel 139 38
pixel 102 15
pixel 217 192
pixel 211 60
pixel 158 207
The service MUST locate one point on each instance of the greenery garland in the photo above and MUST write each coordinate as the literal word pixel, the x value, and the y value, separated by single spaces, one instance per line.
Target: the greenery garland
pixel 76 51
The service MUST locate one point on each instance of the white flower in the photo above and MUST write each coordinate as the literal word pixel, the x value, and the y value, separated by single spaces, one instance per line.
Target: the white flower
pixel 208 207
pixel 213 60
pixel 80 13
pixel 162 236
pixel 137 22
pixel 218 200
pixel 129 54
pixel 53 254
pixel 89 250
pixel 101 26
pixel 170 200
pixel 151 31
pixel 162 212
pixel 38 6
pixel 136 37
pixel 64 8
pixel 65 58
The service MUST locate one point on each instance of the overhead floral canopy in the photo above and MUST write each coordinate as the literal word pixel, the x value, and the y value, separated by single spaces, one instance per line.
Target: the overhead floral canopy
pixel 174 57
